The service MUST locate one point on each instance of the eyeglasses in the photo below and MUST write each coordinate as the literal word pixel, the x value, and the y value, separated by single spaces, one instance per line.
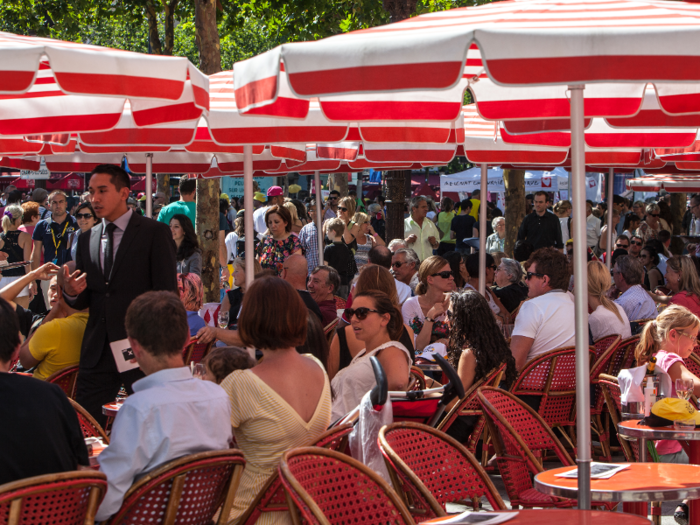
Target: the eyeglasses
pixel 83 215
pixel 361 313
pixel 654 215
pixel 445 275
pixel 493 267
pixel 693 338
pixel 637 243
pixel 332 198
pixel 530 275
pixel 622 246
pixel 342 209
pixel 397 264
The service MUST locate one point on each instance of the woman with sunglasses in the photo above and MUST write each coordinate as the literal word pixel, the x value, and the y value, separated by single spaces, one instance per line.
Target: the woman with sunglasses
pixel 86 220
pixel 425 313
pixel 650 259
pixel 472 264
pixel 376 321
pixel 650 226
pixel 345 346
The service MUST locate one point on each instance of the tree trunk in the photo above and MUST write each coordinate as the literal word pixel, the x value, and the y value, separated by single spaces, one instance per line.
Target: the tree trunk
pixel 163 184
pixel 515 206
pixel 395 203
pixel 399 9
pixel 678 204
pixel 169 8
pixel 153 36
pixel 340 183
pixel 208 190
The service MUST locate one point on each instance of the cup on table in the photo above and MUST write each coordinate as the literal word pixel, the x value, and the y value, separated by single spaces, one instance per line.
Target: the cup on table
pixel 684 388
pixel 198 371
pixel 684 424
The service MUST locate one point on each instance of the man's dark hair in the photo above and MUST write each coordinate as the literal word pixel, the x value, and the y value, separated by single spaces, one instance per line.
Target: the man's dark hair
pixel 466 204
pixel 334 192
pixel 187 186
pixel 529 197
pixel 541 194
pixel 631 269
pixel 158 321
pixel 332 277
pixel 14 197
pixel 223 206
pixel 117 175
pixel 381 256
pixel 522 251
pixel 471 262
pixel 554 264
pixel 617 253
pixel 9 331
pixel 663 236
pixel 619 199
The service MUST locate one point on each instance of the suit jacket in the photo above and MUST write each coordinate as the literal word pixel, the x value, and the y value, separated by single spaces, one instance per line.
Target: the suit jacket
pixel 145 261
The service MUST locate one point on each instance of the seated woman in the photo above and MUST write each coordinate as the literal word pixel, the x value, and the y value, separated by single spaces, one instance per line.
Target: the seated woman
pixel 472 264
pixel 650 259
pixel 510 288
pixel 477 346
pixel 377 322
pixel 425 313
pixel 345 346
pixel 191 293
pixel 607 317
pixel 683 281
pixel 284 401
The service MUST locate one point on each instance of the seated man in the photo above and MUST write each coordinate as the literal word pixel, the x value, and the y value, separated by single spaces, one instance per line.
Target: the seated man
pixel 628 274
pixel 404 266
pixel 294 271
pixel 56 343
pixel 41 432
pixel 28 320
pixel 546 321
pixel 170 414
pixel 323 283
pixel 382 256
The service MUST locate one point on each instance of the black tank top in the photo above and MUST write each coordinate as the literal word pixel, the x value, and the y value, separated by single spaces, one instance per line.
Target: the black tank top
pixel 345 358
pixel 14 252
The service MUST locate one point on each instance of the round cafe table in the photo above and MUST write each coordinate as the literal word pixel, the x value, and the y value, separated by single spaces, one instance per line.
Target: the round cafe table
pixel 690 438
pixel 110 410
pixel 634 486
pixel 568 517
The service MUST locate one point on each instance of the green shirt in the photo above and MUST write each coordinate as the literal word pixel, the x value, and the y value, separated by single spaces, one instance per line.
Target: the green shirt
pixel 185 208
pixel 444 222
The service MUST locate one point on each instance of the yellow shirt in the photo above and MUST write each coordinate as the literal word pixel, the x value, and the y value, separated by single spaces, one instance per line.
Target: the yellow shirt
pixel 57 343
pixel 475 208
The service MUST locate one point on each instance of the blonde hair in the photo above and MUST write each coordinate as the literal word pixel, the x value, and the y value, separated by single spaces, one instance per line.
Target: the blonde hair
pixel 689 280
pixel 656 332
pixel 599 284
pixel 292 210
pixel 239 262
pixel 349 203
pixel 428 267
pixel 360 218
pixel 11 214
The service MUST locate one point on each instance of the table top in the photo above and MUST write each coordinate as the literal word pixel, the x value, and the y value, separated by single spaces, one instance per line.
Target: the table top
pixel 639 482
pixel 569 517
pixel 634 429
pixel 110 409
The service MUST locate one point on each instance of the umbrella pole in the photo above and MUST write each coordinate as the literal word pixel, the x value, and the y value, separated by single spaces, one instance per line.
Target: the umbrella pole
pixel 609 240
pixel 578 191
pixel 482 229
pixel 248 215
pixel 149 185
pixel 319 210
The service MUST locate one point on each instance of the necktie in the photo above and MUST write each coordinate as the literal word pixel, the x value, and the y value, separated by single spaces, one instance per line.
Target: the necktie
pixel 109 251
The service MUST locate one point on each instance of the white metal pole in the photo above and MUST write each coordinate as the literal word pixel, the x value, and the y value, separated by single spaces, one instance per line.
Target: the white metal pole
pixel 319 218
pixel 482 229
pixel 578 193
pixel 149 185
pixel 248 216
pixel 609 240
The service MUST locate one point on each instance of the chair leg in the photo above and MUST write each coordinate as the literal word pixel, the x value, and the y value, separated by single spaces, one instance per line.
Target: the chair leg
pixel 293 511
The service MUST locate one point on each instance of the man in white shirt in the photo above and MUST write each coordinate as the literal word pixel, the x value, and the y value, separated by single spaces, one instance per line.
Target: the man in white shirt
pixel 592 226
pixel 404 266
pixel 420 233
pixel 628 274
pixel 546 321
pixel 171 414
pixel 275 196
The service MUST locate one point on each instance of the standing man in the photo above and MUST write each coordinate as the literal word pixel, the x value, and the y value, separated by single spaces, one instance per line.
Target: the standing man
pixel 539 228
pixel 122 257
pixel 275 197
pixel 620 204
pixel 308 238
pixel 51 237
pixel 331 210
pixel 592 226
pixel 420 234
pixel 187 204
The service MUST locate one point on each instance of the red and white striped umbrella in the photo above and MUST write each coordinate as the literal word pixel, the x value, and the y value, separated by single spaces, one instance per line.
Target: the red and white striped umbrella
pixel 671 183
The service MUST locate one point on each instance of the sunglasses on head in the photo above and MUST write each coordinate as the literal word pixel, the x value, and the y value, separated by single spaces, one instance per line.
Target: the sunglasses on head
pixel 342 209
pixel 530 275
pixel 361 313
pixel 445 275
pixel 83 215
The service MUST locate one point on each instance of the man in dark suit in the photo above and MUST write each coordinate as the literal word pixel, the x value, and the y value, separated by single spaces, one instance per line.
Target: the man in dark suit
pixel 122 257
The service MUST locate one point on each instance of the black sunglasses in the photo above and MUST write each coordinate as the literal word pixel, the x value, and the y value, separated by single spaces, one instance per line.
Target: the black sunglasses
pixel 342 209
pixel 530 275
pixel 333 198
pixel 83 215
pixel 623 246
pixel 655 215
pixel 493 267
pixel 637 243
pixel 361 313
pixel 397 264
pixel 445 275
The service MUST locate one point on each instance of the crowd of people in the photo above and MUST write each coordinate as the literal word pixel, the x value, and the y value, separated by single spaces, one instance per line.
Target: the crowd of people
pixel 119 295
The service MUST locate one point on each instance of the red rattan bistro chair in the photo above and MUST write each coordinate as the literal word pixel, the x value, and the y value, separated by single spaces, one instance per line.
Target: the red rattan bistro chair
pixel 68 498
pixel 271 497
pixel 327 487
pixel 604 349
pixel 429 469
pixel 611 394
pixel 88 425
pixel 187 490
pixel 194 352
pixel 67 379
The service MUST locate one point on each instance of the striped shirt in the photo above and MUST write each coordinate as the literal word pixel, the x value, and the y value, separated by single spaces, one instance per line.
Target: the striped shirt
pixel 308 238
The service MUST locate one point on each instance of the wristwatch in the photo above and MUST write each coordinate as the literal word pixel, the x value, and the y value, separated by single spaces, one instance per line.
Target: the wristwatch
pixel 430 319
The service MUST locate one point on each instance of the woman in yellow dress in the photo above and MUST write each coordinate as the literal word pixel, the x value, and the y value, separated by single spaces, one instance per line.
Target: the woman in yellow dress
pixel 282 403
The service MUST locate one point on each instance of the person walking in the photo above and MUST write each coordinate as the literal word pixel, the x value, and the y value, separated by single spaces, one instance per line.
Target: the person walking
pixel 420 234
pixel 540 228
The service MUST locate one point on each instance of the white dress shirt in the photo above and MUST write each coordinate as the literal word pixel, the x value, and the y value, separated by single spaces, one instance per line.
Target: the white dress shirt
pixel 259 219
pixel 170 415
pixel 422 246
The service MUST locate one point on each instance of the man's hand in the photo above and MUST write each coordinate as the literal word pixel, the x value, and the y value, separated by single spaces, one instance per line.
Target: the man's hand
pixel 46 271
pixel 411 238
pixel 4 256
pixel 74 283
pixel 206 334
pixel 433 241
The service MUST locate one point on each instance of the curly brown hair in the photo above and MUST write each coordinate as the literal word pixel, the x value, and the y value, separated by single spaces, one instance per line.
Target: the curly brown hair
pixel 554 264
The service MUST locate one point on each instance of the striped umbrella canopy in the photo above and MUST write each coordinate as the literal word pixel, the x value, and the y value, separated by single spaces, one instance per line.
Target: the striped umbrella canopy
pixel 676 183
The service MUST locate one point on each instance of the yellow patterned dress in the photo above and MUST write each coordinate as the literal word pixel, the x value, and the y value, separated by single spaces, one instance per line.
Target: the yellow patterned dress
pixel 266 427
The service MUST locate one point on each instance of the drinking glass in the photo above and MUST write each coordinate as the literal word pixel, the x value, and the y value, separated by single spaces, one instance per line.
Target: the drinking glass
pixel 684 388
pixel 223 320
pixel 121 396
pixel 198 371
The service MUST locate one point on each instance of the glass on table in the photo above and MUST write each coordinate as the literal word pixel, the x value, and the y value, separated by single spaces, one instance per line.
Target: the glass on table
pixel 223 320
pixel 121 396
pixel 198 370
pixel 684 388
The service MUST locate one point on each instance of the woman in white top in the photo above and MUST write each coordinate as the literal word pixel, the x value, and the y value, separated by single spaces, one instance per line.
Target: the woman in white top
pixel 376 321
pixel 608 318
pixel 562 210
pixel 472 264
